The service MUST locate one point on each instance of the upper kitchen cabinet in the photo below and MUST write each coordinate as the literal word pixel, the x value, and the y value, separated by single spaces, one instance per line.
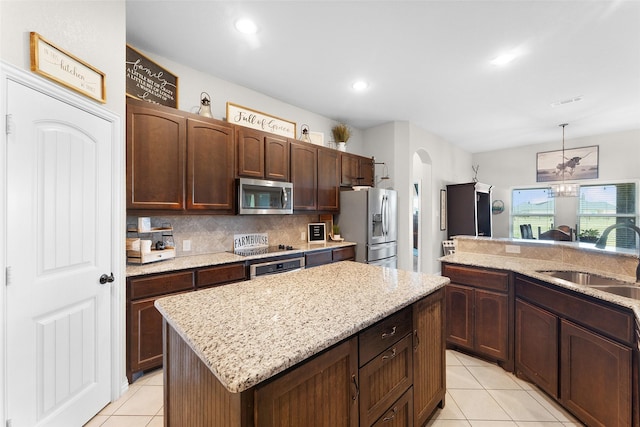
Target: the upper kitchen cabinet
pixel 328 180
pixel 469 209
pixel 262 155
pixel 304 176
pixel 210 172
pixel 156 147
pixel 178 161
pixel 355 170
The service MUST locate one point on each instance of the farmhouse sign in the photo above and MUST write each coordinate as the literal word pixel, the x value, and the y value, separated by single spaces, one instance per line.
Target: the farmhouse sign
pixel 148 81
pixel 253 119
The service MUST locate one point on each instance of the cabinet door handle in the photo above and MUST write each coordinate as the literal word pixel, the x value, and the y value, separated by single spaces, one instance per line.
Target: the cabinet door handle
pixel 354 380
pixel 416 340
pixel 390 334
pixel 391 415
pixel 390 356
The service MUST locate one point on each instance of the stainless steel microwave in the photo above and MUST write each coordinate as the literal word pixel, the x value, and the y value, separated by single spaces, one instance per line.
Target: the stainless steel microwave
pixel 260 197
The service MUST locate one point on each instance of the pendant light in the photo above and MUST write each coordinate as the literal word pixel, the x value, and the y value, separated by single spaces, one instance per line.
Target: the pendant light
pixel 563 189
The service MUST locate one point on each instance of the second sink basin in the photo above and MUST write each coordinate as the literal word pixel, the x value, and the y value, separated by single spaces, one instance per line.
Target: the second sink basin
pixel 595 281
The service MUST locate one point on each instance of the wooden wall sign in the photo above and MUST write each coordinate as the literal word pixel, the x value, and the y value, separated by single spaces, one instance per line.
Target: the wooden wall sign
pixel 62 67
pixel 253 119
pixel 148 81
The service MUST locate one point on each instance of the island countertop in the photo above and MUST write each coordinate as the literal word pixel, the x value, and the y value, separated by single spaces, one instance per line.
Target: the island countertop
pixel 247 332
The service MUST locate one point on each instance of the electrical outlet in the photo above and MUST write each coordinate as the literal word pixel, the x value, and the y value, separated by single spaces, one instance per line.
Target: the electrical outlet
pixel 512 249
pixel 303 236
pixel 186 245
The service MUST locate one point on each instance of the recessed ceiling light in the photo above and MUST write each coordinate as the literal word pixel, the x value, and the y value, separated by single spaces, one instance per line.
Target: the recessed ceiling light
pixel 504 58
pixel 360 85
pixel 246 26
pixel 567 101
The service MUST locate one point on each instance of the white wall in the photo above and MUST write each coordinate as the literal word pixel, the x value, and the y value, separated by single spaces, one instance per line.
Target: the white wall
pixel 619 159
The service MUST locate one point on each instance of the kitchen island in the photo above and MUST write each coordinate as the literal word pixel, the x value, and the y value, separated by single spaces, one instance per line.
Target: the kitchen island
pixel 340 344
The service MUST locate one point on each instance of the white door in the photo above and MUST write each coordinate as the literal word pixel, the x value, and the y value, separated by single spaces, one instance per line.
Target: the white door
pixel 58 245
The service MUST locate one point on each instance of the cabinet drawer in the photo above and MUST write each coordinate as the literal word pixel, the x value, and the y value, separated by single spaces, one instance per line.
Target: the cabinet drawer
pixel 384 379
pixel 607 320
pixel 220 274
pixel 313 259
pixel 480 278
pixel 383 334
pixel 341 254
pixel 160 285
pixel 400 414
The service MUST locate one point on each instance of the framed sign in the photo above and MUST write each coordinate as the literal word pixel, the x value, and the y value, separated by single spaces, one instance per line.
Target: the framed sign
pixel 62 67
pixel 253 119
pixel 148 81
pixel 317 232
pixel 578 163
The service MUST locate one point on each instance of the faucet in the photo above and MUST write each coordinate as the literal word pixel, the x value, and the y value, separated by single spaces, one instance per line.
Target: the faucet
pixel 601 243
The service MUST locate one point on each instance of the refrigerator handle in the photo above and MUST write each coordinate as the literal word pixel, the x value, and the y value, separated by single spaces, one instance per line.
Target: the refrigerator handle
pixel 384 215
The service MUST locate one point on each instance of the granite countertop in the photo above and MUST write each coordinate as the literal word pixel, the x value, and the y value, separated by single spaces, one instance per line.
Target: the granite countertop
pixel 219 258
pixel 531 268
pixel 247 332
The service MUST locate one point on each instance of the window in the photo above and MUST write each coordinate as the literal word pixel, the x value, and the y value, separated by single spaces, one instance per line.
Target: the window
pixel 604 205
pixel 531 206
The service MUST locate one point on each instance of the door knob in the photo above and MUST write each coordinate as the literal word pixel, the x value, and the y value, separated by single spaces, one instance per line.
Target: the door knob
pixel 106 279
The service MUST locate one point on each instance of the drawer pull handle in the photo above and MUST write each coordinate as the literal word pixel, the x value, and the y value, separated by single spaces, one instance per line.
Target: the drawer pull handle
pixel 391 356
pixel 355 383
pixel 390 334
pixel 416 340
pixel 391 416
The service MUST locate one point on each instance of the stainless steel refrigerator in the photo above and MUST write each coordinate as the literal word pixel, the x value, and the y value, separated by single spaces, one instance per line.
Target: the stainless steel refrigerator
pixel 370 219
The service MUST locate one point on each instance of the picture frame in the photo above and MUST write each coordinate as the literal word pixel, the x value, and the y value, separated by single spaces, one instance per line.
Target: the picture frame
pixel 258 120
pixel 579 163
pixel 148 81
pixel 66 69
pixel 317 232
pixel 443 210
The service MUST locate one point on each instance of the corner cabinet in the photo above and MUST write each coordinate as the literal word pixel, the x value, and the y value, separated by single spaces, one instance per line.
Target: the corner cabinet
pixel 356 170
pixel 178 161
pixel 479 312
pixel 390 374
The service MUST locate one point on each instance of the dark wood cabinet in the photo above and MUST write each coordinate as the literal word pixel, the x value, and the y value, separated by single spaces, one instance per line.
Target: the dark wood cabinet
pixel 177 161
pixel 356 170
pixel 536 352
pixel 580 347
pixel 328 180
pixel 469 210
pixel 210 169
pixel 316 258
pixel 429 365
pixel 321 392
pixel 144 322
pixel 304 176
pixel 479 312
pixel 156 147
pixel 261 155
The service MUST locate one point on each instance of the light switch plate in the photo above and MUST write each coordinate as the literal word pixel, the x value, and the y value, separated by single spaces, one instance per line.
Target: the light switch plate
pixel 186 245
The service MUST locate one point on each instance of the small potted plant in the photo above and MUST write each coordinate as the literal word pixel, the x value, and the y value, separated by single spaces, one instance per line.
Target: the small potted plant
pixel 341 134
pixel 336 232
pixel 589 235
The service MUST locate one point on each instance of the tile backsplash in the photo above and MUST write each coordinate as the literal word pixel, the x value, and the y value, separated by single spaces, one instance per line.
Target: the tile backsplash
pixel 213 233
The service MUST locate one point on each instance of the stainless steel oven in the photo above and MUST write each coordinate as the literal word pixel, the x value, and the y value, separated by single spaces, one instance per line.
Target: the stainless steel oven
pixel 258 197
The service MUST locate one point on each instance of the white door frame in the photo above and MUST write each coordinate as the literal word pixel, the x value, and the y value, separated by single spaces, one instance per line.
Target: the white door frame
pixel 119 382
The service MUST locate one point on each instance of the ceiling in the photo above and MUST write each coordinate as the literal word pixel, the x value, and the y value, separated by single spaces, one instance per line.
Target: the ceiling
pixel 427 62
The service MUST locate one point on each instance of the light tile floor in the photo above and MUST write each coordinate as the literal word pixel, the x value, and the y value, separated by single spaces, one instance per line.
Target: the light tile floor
pixel 479 394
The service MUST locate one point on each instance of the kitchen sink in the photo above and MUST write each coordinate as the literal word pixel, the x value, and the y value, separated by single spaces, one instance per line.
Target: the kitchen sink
pixel 595 281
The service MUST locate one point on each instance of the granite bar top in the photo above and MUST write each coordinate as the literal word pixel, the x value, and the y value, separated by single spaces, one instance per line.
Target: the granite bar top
pixel 531 268
pixel 219 258
pixel 249 331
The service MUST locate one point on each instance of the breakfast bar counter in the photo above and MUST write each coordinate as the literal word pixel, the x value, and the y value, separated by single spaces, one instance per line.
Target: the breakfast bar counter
pixel 242 335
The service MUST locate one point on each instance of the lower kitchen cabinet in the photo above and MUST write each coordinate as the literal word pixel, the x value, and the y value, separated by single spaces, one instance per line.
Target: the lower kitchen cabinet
pixel 579 350
pixel 400 414
pixel 144 322
pixel 479 312
pixel 316 258
pixel 322 392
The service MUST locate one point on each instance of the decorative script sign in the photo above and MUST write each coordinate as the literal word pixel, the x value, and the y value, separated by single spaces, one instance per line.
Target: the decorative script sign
pixel 64 68
pixel 256 120
pixel 148 81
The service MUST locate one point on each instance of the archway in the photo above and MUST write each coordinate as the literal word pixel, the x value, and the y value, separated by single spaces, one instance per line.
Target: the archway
pixel 422 211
